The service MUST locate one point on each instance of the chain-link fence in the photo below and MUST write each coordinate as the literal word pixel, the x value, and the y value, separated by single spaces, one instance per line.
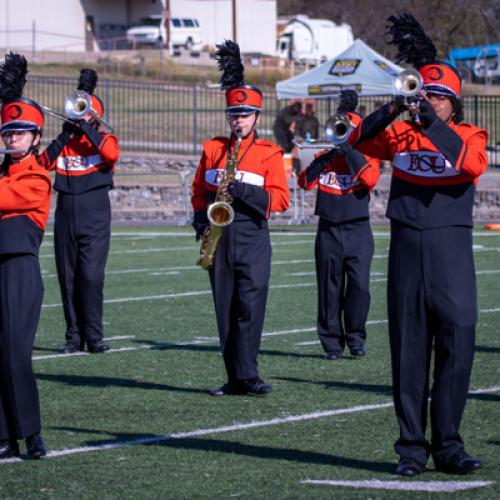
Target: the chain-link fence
pixel 169 118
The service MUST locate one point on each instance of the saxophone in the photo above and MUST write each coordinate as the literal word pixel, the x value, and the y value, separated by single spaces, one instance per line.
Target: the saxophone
pixel 220 213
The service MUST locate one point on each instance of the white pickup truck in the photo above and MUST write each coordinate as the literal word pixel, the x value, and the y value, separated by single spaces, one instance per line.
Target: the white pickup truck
pixel 151 30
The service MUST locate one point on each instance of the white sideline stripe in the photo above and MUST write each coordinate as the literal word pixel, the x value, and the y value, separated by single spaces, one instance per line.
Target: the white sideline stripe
pixel 225 428
pixel 121 349
pixel 176 249
pixel 176 295
pixel 120 337
pixel 196 341
pixel 273 232
pixel 431 486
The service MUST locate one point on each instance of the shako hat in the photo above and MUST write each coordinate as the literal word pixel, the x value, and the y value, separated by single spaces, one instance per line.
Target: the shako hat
pixel 348 104
pixel 417 49
pixel 88 82
pixel 18 113
pixel 241 99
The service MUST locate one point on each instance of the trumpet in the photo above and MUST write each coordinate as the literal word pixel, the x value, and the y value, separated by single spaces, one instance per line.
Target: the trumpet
pixel 337 129
pixel 408 84
pixel 76 106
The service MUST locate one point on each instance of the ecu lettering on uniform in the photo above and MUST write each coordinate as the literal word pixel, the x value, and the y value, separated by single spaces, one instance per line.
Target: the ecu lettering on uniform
pixel 214 176
pixel 260 167
pixel 79 169
pixel 78 165
pixel 342 197
pixel 424 164
pixel 337 182
pixel 433 182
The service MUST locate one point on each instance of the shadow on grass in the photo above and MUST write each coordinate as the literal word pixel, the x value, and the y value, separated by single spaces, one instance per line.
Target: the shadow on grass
pixel 486 397
pixel 101 382
pixel 159 346
pixel 385 390
pixel 234 448
pixel 46 349
pixel 486 348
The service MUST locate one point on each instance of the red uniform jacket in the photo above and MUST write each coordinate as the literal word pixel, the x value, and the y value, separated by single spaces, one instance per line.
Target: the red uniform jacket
pixel 24 206
pixel 80 167
pixel 434 171
pixel 260 165
pixel 341 196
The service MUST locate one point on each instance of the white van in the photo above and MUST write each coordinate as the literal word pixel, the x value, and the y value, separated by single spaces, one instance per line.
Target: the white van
pixel 151 30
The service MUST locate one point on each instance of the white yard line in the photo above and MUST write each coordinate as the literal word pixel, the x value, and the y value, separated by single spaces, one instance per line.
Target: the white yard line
pixel 196 341
pixel 431 486
pixel 176 295
pixel 225 428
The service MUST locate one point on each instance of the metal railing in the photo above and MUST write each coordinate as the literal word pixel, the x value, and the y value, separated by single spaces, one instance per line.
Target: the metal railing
pixel 172 118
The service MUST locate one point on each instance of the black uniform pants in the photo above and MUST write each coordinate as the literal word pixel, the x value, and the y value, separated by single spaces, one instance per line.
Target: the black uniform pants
pixel 240 282
pixel 343 257
pixel 21 294
pixel 431 299
pixel 81 237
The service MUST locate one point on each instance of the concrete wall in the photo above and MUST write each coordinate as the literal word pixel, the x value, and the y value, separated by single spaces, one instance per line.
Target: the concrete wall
pixel 59 24
pixel 143 193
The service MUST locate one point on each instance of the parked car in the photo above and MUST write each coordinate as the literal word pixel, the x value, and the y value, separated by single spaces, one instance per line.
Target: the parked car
pixel 151 30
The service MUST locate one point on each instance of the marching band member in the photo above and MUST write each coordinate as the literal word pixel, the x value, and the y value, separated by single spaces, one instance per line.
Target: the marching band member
pixel 24 209
pixel 344 241
pixel 84 168
pixel 431 289
pixel 240 273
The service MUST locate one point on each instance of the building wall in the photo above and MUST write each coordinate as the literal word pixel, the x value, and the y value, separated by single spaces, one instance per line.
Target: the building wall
pixel 256 21
pixel 61 25
pixel 64 31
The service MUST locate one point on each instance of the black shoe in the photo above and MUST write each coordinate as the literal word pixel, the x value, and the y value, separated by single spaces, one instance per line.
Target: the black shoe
pixel 9 449
pixel 254 386
pixel 332 355
pixel 461 463
pixel 358 351
pixel 71 348
pixel 409 467
pixel 35 446
pixel 228 389
pixel 99 346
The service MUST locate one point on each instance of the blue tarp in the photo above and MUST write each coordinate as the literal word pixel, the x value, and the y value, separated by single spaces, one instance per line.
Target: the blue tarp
pixel 470 53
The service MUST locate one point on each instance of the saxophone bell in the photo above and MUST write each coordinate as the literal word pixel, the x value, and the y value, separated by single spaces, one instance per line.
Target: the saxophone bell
pixel 220 213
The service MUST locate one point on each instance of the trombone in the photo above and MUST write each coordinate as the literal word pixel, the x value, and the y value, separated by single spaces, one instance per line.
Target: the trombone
pixel 337 130
pixel 76 106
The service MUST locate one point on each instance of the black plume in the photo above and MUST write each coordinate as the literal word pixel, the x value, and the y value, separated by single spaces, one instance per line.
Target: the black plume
pixel 87 81
pixel 12 76
pixel 414 46
pixel 229 62
pixel 348 101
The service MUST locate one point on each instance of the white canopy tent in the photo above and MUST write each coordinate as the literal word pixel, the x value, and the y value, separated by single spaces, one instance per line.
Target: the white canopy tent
pixel 358 68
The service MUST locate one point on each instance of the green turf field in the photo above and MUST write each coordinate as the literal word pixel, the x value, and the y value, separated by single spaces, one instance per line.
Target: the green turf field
pixel 138 422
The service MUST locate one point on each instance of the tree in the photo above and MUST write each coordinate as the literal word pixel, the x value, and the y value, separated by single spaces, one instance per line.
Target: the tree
pixel 449 23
